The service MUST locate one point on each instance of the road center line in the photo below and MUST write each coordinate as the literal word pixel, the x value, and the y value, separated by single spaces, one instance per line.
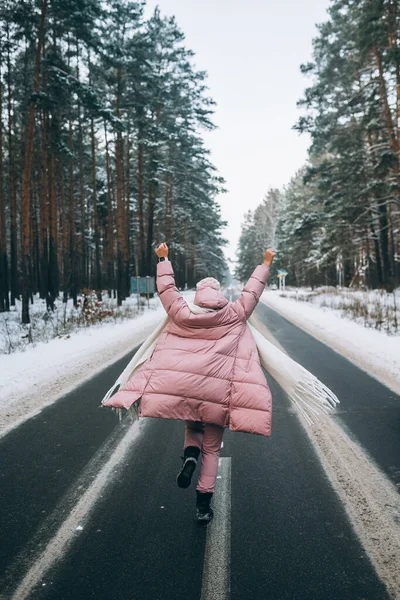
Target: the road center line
pixel 216 581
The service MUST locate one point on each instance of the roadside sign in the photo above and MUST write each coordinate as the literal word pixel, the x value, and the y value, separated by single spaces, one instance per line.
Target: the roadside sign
pixel 282 276
pixel 143 285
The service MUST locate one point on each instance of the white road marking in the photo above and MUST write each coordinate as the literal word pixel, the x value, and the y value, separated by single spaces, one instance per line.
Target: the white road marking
pixel 80 509
pixel 216 569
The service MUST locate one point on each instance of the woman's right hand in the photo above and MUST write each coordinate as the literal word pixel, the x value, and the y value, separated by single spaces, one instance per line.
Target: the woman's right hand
pixel 162 250
pixel 268 257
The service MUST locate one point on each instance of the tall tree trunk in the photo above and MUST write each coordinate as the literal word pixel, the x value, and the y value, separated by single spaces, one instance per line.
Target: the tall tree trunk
pixel 140 211
pixel 394 213
pixel 168 208
pixel 35 254
pixel 393 45
pixel 392 245
pixel 12 199
pixel 81 260
pixel 73 284
pixel 186 256
pixel 64 223
pixel 119 221
pixel 110 223
pixel 55 182
pixel 150 228
pixel 375 239
pixel 59 169
pixel 82 210
pixel 44 213
pixel 128 210
pixel 386 108
pixel 195 262
pixel 53 271
pixel 394 146
pixel 4 291
pixel 98 282
pixel 121 238
pixel 384 235
pixel 26 181
pixel 381 243
pixel 81 206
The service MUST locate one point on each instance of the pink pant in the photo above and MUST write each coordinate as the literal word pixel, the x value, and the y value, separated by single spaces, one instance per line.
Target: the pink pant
pixel 208 438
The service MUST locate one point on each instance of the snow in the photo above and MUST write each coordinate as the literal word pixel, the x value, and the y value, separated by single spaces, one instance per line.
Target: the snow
pixel 372 350
pixel 377 309
pixel 43 372
pixel 65 319
pixel 38 376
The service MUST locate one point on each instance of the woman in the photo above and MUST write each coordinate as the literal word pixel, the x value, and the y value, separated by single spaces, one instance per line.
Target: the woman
pixel 205 370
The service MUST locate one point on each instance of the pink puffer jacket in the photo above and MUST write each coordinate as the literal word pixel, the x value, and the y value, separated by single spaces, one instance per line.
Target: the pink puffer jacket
pixel 205 367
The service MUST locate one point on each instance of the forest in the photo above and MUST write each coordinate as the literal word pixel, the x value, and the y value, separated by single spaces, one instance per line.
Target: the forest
pixel 337 222
pixel 101 151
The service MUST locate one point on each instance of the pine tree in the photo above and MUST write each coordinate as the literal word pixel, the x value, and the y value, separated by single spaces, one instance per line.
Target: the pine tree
pixel 354 161
pixel 249 252
pixel 101 154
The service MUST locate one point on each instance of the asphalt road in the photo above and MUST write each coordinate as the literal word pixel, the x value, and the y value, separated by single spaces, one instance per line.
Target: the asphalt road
pixel 369 411
pixel 289 536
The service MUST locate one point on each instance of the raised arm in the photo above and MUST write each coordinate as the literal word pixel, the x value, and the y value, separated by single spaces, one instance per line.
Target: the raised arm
pixel 255 286
pixel 170 297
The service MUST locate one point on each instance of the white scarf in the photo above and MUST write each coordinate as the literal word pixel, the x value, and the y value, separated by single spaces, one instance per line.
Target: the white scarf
pixel 309 394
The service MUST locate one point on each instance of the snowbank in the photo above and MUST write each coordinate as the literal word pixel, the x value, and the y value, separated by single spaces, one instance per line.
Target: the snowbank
pixel 64 320
pixel 41 374
pixel 371 350
pixel 376 309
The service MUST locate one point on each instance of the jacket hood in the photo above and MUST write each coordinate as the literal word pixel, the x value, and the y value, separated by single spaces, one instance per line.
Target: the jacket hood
pixel 208 297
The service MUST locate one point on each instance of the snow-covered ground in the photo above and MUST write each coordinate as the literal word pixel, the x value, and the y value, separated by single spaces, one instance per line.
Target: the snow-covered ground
pixel 63 320
pixel 377 309
pixel 37 376
pixel 374 351
pixel 40 373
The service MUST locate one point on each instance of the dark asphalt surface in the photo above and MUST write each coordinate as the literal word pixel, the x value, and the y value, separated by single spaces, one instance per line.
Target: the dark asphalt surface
pixel 291 539
pixel 42 458
pixel 369 411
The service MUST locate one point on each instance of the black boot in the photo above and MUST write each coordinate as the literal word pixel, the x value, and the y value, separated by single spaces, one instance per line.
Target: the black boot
pixel 204 513
pixel 190 456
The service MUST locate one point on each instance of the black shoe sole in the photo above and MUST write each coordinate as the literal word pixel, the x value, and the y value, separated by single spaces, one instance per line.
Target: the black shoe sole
pixel 184 478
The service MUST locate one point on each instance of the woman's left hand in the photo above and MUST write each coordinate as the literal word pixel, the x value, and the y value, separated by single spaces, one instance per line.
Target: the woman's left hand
pixel 162 250
pixel 269 256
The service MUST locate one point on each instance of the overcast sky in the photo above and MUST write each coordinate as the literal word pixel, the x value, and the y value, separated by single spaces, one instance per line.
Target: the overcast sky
pixel 252 51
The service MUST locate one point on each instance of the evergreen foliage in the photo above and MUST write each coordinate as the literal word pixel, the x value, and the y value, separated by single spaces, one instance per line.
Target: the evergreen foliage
pixel 258 233
pixel 101 151
pixel 339 221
